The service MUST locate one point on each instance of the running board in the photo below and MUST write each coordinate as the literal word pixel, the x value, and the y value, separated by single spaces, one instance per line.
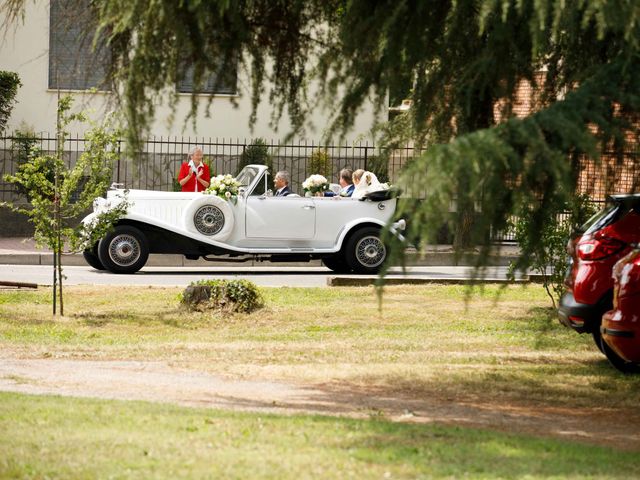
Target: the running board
pixel 261 258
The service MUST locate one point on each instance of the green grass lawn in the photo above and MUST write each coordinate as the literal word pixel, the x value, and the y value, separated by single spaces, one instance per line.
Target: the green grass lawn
pixel 426 340
pixel 56 437
pixel 497 345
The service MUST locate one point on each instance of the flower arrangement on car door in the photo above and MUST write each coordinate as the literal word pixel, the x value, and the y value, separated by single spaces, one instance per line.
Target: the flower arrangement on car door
pixel 224 186
pixel 315 185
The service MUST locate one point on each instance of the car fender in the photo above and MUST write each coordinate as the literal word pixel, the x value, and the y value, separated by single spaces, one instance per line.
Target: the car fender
pixel 354 225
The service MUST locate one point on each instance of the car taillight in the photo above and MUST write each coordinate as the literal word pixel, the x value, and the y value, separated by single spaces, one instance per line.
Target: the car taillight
pixel 597 248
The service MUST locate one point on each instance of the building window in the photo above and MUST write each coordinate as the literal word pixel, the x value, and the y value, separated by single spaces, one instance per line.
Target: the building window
pixel 74 63
pixel 223 82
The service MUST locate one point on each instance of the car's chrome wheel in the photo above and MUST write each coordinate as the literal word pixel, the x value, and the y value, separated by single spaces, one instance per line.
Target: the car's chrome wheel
pixel 124 250
pixel 364 251
pixel 370 251
pixel 208 220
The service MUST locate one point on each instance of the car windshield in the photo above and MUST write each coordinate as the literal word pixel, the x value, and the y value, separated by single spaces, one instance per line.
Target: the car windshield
pixel 246 176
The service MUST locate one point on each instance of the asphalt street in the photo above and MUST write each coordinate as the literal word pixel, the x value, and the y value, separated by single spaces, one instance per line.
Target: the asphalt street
pixel 269 276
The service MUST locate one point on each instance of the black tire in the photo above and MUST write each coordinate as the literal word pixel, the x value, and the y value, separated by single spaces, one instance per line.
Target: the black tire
pixel 597 338
pixel 91 257
pixel 617 362
pixel 337 263
pixel 124 250
pixel 365 252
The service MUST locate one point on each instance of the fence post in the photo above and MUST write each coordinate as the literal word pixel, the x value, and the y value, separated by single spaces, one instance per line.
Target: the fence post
pixel 366 155
pixel 119 154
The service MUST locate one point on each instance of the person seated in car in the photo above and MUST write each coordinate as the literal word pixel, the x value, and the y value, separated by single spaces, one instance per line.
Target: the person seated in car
pixel 281 183
pixel 346 184
pixel 365 182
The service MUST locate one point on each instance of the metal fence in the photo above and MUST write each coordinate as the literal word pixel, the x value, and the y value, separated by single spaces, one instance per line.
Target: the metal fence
pixel 156 166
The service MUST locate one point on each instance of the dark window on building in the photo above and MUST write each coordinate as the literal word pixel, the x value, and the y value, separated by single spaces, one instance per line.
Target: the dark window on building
pixel 224 81
pixel 74 63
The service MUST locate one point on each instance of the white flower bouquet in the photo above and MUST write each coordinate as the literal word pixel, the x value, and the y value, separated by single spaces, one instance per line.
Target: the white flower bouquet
pixel 315 184
pixel 224 186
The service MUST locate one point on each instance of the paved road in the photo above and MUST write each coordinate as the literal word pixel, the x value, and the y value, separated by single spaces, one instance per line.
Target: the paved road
pixel 263 276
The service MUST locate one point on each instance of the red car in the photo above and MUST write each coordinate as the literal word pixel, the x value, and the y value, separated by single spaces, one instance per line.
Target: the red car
pixel 621 326
pixel 601 242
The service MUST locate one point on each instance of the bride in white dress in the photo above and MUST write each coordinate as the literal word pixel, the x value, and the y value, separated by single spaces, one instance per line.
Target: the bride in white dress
pixel 365 182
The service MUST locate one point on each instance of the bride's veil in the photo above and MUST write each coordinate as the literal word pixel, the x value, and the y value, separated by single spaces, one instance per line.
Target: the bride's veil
pixel 368 183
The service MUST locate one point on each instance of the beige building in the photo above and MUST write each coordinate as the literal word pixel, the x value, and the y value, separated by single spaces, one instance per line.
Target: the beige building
pixel 46 54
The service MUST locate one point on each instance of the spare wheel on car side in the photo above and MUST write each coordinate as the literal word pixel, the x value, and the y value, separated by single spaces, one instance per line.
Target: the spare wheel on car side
pixel 210 216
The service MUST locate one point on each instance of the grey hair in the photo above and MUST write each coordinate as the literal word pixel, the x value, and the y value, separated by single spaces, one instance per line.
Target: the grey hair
pixel 284 175
pixel 193 149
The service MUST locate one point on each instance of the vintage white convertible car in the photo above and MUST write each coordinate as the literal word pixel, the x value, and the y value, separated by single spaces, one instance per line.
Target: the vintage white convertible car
pixel 343 232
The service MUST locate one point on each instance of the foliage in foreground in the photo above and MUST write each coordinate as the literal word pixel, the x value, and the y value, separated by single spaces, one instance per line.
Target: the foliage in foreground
pixel 58 194
pixel 461 64
pixel 56 437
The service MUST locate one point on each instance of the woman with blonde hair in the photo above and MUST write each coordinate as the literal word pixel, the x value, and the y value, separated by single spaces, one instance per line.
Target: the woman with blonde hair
pixel 365 182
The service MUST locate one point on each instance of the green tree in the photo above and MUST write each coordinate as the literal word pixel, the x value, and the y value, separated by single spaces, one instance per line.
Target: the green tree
pixel 9 83
pixel 319 163
pixel 465 59
pixel 58 195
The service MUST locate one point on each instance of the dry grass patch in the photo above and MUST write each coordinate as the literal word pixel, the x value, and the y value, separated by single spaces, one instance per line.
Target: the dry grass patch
pixel 501 344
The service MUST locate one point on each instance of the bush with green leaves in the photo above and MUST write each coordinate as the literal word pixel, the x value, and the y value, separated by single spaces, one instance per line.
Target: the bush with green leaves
pixel 24 145
pixel 9 83
pixel 257 153
pixel 236 296
pixel 319 163
pixel 548 257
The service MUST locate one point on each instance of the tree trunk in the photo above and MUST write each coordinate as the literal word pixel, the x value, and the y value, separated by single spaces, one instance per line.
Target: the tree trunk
pixel 476 115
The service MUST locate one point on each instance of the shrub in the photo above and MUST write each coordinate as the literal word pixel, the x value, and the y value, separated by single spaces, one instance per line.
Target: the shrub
pixel 256 153
pixel 24 148
pixel 319 163
pixel 9 83
pixel 240 296
pixel 549 257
